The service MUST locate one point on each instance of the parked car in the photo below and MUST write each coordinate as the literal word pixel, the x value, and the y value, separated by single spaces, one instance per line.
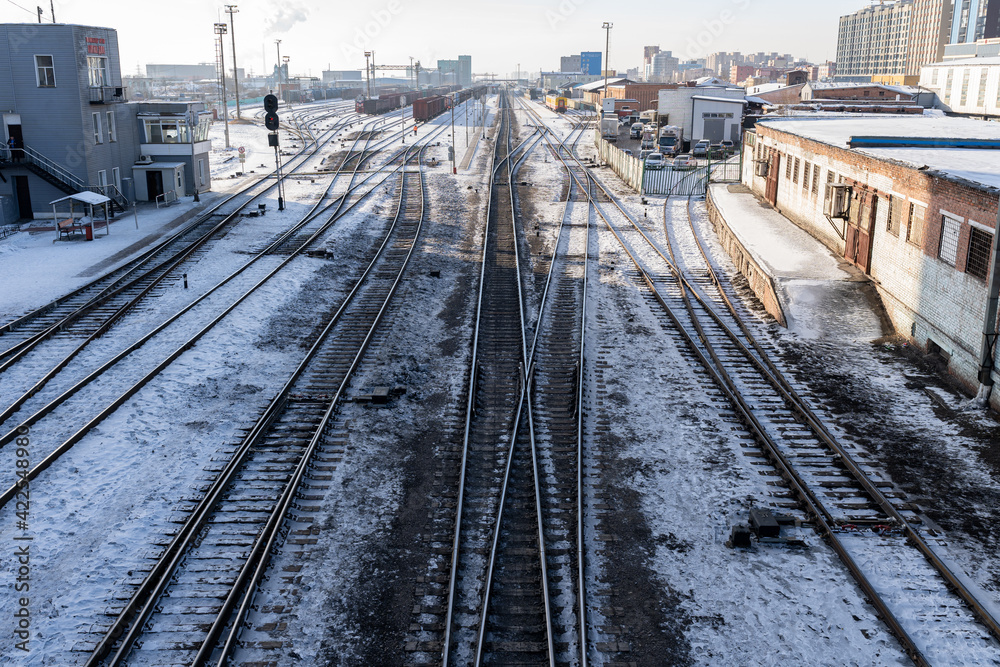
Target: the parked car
pixel 645 153
pixel 636 131
pixel 701 148
pixel 654 161
pixel 728 146
pixel 685 162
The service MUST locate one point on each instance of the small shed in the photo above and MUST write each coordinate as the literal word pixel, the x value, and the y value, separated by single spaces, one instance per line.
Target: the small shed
pixel 67 227
pixel 159 181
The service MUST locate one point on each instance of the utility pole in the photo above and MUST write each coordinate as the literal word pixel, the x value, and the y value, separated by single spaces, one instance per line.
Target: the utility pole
pixel 52 6
pixel 231 9
pixel 454 169
pixel 288 76
pixel 607 48
pixel 368 74
pixel 220 30
pixel 277 43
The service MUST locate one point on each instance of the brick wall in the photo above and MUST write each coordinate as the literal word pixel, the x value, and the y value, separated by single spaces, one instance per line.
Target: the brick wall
pixel 927 299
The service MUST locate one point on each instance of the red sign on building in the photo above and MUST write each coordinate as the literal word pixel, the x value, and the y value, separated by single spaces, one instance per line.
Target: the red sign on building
pixel 95 45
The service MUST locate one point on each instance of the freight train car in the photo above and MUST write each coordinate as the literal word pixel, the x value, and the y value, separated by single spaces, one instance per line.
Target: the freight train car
pixel 377 105
pixel 556 102
pixel 426 108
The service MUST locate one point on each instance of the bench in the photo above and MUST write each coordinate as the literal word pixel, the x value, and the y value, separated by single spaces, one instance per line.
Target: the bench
pixel 69 227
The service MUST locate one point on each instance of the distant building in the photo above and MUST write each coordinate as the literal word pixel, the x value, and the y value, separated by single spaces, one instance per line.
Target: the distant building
pixel 590 62
pixel 889 43
pixel 334 77
pixel 570 64
pixel 664 67
pixel 183 72
pixel 712 111
pixel 740 73
pixel 973 20
pixel 460 69
pixel 647 61
pixel 966 87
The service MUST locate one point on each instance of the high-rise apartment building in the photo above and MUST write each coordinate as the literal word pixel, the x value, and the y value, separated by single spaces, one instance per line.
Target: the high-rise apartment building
pixel 570 64
pixel 889 43
pixel 972 20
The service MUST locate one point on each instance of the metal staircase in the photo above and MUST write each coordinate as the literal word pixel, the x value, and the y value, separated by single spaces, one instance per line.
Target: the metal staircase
pixel 59 177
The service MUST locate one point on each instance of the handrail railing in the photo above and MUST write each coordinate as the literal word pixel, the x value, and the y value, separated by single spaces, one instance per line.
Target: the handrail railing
pixel 48 165
pixel 168 197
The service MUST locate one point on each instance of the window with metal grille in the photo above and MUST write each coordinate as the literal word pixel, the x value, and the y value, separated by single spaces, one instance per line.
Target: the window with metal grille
pixel 915 228
pixel 950 229
pixel 788 169
pixel 795 171
pixel 816 172
pixel 984 73
pixel 980 244
pixel 806 173
pixel 896 205
pixel 966 75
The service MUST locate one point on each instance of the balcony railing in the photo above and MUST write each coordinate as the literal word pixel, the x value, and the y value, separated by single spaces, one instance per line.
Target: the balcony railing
pixel 107 94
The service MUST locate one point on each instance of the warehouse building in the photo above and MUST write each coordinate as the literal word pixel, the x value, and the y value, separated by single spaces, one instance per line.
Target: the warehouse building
pixel 911 201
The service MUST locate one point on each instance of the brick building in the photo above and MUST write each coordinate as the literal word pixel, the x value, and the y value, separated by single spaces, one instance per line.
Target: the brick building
pixel 910 200
pixel 646 94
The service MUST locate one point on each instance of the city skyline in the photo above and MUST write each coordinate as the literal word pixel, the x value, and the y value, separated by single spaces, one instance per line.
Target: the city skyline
pixel 316 36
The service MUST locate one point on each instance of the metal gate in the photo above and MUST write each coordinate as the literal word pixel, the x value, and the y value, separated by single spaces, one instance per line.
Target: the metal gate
pixel 691 182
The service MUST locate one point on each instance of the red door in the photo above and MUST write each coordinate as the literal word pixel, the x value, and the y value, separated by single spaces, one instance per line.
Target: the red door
pixel 860 230
pixel 771 191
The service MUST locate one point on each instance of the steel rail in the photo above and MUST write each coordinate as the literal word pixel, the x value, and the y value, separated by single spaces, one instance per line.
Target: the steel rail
pixel 157 580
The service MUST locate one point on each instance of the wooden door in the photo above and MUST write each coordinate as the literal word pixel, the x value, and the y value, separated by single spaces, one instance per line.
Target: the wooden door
pixel 771 192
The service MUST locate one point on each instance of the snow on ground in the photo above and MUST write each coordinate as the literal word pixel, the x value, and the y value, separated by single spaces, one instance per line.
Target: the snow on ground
pixel 35 268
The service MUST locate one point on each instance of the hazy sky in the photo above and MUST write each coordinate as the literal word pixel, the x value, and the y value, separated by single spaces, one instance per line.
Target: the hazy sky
pixel 498 35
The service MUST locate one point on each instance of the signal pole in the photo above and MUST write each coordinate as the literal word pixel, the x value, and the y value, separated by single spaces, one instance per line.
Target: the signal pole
pixel 220 30
pixel 231 9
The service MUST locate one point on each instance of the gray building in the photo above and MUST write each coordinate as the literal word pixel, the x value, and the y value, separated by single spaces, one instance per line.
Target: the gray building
pixel 183 72
pixel 570 64
pixel 67 125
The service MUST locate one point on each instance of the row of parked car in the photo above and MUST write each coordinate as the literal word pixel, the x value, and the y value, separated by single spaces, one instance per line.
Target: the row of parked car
pixel 655 160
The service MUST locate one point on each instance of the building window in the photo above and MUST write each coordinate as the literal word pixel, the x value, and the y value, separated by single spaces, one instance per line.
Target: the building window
pixel 983 75
pixel 915 228
pixel 795 171
pixel 816 172
pixel 97 68
pixel 116 176
pixel 102 180
pixel 112 128
pixel 947 86
pixel 45 71
pixel 98 132
pixel 164 131
pixel 896 206
pixel 806 173
pixel 788 168
pixel 201 172
pixel 950 229
pixel 966 75
pixel 179 176
pixel 980 243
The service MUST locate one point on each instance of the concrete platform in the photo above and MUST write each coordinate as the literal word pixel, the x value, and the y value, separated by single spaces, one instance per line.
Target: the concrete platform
pixel 800 281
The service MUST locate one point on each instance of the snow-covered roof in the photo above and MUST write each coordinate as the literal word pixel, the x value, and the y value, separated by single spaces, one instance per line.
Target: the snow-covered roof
pixel 980 62
pixel 86 197
pixel 831 85
pixel 978 166
pixel 597 85
pixel 727 100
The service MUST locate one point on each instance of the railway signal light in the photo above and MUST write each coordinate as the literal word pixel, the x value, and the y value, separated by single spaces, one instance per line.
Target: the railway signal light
pixel 271 121
pixel 270 103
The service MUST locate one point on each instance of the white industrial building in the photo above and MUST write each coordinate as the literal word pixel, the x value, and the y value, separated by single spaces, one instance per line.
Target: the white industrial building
pixel 969 87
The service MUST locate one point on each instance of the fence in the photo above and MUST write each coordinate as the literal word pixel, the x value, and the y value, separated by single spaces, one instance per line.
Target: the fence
pixel 668 181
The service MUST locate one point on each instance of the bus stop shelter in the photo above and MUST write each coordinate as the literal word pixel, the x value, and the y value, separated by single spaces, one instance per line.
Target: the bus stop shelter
pixel 71 226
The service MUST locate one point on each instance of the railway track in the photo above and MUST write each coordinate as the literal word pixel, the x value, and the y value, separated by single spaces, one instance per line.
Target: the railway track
pixel 136 375
pixel 853 507
pixel 191 605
